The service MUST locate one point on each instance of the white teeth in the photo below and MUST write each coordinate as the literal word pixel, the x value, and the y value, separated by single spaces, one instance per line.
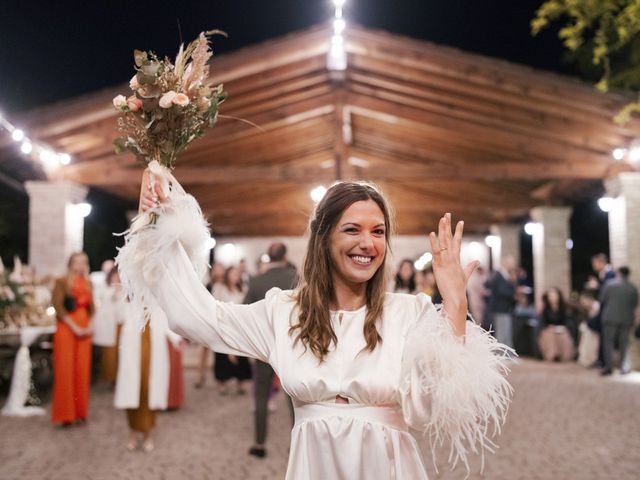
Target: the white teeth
pixel 362 260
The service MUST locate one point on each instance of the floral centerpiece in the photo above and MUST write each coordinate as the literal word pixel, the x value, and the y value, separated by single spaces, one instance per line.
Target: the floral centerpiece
pixel 22 301
pixel 172 103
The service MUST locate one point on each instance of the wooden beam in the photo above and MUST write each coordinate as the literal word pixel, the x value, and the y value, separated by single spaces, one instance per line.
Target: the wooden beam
pixel 397 167
pixel 402 115
pixel 490 74
pixel 584 132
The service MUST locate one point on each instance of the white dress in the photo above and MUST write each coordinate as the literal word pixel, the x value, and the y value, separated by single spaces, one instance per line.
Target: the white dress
pixel 421 376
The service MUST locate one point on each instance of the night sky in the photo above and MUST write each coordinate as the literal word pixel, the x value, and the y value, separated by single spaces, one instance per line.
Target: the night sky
pixel 50 51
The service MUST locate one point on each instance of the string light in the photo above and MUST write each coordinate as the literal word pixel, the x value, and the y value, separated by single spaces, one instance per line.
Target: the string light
pixel 423 261
pixel 83 209
pixel 337 56
pixel 26 147
pixel 606 204
pixel 49 158
pixel 211 243
pixel 317 193
pixel 619 153
pixel 17 135
pixel 531 228
pixel 492 241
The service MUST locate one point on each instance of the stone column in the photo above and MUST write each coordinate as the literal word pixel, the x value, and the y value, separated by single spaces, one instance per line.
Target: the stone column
pixel 56 228
pixel 509 235
pixel 551 259
pixel 624 222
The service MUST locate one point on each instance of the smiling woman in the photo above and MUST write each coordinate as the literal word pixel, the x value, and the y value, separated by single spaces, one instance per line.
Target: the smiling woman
pixel 361 365
pixel 349 235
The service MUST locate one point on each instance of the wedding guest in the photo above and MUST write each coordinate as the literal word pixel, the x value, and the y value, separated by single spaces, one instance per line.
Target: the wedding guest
pixel 405 278
pixel 555 339
pixel 603 269
pixel 107 323
pixel 100 289
pixel 142 386
pixel 604 272
pixel 216 276
pixel 430 287
pixel 229 367
pixel 478 293
pixel 244 273
pixel 175 398
pixel 590 328
pixel 499 310
pixel 73 302
pixel 280 275
pixel 619 299
pixel 525 324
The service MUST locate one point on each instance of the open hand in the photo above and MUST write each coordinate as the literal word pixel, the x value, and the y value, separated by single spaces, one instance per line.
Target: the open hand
pixel 451 278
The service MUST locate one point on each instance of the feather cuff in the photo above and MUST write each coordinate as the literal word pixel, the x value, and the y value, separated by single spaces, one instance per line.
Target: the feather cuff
pixel 453 390
pixel 146 244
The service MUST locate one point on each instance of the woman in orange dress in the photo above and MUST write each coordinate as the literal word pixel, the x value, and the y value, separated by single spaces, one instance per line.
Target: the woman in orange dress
pixel 73 302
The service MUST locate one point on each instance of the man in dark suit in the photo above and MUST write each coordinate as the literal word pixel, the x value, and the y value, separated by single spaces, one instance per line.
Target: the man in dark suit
pixel 280 274
pixel 604 273
pixel 619 299
pixel 500 304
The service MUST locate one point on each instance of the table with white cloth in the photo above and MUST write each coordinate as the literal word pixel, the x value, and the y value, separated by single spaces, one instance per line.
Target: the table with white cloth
pixel 21 378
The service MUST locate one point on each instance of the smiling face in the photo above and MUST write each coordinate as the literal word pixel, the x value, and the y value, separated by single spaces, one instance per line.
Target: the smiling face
pixel 358 243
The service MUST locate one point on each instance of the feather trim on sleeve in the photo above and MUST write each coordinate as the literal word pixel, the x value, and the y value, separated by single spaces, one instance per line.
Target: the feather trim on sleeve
pixel 454 390
pixel 146 244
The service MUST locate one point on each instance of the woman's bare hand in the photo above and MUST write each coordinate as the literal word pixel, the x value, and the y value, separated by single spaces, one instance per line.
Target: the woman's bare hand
pixel 150 196
pixel 451 278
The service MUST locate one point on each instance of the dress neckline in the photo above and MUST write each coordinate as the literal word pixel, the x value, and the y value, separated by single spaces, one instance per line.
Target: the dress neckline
pixel 349 312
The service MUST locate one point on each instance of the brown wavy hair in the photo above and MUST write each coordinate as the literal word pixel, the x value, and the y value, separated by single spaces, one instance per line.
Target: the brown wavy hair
pixel 315 292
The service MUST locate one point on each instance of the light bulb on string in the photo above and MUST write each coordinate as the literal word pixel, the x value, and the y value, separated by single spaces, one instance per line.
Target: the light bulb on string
pixel 530 228
pixel 211 243
pixel 26 147
pixel 49 158
pixel 492 241
pixel 606 203
pixel 17 135
pixel 84 209
pixel 619 153
pixel 318 193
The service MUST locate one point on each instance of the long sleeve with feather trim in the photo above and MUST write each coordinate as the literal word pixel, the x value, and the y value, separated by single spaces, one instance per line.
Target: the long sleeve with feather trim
pixel 454 390
pixel 162 265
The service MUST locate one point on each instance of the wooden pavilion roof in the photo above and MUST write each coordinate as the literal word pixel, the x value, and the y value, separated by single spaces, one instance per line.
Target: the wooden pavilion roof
pixel 436 128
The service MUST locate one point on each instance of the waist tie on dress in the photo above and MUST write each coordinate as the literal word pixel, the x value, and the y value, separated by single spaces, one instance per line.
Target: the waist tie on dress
pixel 387 415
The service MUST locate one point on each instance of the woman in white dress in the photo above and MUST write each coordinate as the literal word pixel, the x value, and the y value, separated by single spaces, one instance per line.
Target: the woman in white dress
pixel 227 367
pixel 362 366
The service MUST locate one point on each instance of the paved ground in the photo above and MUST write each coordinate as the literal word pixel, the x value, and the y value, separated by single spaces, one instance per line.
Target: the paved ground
pixel 565 423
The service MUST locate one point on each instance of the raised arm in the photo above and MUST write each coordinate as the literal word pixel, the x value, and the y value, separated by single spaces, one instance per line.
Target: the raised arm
pixel 162 266
pixel 193 312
